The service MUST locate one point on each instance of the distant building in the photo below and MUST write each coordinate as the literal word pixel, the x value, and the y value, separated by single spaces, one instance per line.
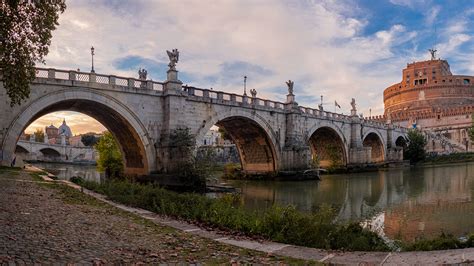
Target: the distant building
pixel 214 138
pixel 431 98
pixel 65 130
pixel 51 131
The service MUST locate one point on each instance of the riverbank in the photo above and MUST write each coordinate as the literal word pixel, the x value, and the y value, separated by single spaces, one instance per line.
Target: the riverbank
pixel 369 258
pixel 48 222
pixel 449 158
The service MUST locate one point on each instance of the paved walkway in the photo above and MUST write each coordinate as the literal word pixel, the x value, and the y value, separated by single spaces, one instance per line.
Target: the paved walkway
pixel 40 224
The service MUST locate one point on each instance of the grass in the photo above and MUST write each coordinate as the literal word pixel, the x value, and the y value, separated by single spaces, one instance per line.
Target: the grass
pixel 442 242
pixel 282 224
pixel 450 158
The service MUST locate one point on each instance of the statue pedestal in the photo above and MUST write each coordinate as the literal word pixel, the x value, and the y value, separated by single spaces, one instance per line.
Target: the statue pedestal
pixel 172 75
pixel 290 98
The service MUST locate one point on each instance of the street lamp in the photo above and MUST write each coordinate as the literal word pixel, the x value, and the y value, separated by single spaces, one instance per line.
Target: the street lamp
pixel 92 54
pixel 245 85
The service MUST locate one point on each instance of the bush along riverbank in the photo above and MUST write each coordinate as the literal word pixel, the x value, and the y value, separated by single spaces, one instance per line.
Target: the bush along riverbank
pixel 281 224
pixel 449 158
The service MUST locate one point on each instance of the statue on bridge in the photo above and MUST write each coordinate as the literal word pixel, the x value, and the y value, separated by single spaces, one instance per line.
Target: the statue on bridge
pixel 353 110
pixel 290 84
pixel 174 57
pixel 142 73
pixel 253 92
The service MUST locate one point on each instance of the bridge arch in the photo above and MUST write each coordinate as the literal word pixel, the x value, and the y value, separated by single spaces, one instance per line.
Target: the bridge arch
pixel 255 140
pixel 401 142
pixel 137 150
pixel 328 143
pixel 21 149
pixel 50 153
pixel 374 140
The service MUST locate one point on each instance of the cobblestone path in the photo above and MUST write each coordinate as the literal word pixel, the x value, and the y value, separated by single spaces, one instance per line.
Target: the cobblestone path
pixel 46 223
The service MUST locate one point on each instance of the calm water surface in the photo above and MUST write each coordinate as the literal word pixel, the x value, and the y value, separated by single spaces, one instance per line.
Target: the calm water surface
pixel 66 171
pixel 405 203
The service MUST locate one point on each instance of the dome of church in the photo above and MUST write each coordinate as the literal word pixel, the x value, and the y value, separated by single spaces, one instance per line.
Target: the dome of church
pixel 65 130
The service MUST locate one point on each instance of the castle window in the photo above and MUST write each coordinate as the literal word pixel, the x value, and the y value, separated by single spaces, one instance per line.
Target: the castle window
pixel 466 81
pixel 444 80
pixel 439 116
pixel 416 82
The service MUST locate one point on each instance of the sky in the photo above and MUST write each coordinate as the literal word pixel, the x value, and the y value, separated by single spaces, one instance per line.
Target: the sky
pixel 340 49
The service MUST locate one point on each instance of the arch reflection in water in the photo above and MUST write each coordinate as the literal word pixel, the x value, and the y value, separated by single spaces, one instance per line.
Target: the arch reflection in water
pixel 414 202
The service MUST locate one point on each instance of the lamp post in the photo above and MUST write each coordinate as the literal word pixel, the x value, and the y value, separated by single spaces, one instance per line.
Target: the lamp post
pixel 92 54
pixel 245 85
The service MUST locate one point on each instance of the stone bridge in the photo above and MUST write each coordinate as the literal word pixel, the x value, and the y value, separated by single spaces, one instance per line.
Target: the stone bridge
pixel 270 136
pixel 37 151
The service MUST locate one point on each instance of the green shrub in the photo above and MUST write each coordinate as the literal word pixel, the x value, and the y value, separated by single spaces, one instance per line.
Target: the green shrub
pixel 283 224
pixel 444 241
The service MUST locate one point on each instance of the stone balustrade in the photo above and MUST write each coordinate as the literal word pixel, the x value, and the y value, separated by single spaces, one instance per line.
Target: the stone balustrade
pixel 195 93
pixel 76 76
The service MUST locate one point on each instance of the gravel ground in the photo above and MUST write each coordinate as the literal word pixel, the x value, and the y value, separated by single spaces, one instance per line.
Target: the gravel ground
pixel 52 223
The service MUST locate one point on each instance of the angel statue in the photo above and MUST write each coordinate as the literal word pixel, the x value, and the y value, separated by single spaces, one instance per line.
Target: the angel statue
pixel 174 57
pixel 290 84
pixel 253 92
pixel 353 104
pixel 142 73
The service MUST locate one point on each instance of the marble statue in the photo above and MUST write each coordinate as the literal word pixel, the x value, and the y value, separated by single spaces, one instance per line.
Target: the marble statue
pixel 353 104
pixel 174 57
pixel 290 84
pixel 142 73
pixel 253 92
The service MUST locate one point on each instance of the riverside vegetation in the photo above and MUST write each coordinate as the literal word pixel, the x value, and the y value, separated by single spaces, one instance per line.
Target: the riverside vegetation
pixel 318 229
pixel 282 224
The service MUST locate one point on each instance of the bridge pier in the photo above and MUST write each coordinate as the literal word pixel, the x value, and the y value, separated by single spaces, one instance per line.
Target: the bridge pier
pixel 270 136
pixel 358 154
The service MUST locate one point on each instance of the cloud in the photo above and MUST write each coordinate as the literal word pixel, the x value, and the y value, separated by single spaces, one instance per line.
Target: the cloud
pixel 78 122
pixel 410 3
pixel 324 46
pixel 432 14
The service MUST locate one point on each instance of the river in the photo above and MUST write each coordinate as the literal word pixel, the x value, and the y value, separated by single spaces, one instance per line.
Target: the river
pixel 405 203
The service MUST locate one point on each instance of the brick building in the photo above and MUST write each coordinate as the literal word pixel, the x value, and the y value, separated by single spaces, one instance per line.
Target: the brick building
pixel 430 97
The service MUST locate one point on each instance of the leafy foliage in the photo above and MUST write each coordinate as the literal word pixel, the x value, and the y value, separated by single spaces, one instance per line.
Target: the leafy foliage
pixel 89 140
pixel 470 131
pixel 415 150
pixel 110 157
pixel 224 134
pixel 39 135
pixel 25 35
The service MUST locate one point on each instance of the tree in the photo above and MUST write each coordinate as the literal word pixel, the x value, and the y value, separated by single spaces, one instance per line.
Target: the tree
pixel 25 35
pixel 415 150
pixel 110 157
pixel 39 135
pixel 470 131
pixel 89 140
pixel 224 134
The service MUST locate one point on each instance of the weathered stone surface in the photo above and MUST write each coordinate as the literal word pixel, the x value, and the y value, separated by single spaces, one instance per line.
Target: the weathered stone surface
pixel 41 225
pixel 270 136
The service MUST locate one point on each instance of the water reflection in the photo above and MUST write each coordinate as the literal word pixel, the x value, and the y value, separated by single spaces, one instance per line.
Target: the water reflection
pixel 414 202
pixel 66 171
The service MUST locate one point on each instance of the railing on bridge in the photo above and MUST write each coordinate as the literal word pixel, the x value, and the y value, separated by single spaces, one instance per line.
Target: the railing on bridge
pixel 231 98
pixel 78 76
pixel 197 93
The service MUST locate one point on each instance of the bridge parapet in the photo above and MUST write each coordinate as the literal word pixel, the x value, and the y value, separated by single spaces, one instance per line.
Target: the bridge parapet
pixel 88 78
pixel 220 97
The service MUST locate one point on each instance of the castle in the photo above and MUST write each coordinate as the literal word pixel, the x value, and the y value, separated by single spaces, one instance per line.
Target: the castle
pixel 431 98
